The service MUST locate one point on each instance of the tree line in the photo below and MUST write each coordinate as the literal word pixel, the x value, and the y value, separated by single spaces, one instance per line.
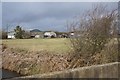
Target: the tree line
pixel 19 33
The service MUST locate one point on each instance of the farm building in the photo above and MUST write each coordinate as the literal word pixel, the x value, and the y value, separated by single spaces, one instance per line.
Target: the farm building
pixel 36 33
pixel 50 34
pixel 11 35
pixel 72 34
pixel 75 34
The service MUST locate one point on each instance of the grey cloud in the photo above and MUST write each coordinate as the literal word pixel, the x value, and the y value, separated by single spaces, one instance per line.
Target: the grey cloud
pixel 43 15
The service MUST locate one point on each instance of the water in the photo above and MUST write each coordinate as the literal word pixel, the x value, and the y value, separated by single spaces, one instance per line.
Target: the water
pixel 6 74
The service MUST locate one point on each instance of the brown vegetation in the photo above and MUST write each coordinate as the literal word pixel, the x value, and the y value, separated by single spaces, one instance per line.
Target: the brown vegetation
pixel 28 63
pixel 94 36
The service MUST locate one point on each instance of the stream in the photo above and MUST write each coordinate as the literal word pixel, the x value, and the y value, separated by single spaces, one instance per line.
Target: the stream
pixel 6 74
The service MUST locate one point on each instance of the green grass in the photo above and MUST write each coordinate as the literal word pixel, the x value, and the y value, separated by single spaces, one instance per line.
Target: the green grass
pixel 57 45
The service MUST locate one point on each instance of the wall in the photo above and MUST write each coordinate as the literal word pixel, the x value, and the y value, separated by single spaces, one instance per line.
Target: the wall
pixel 110 70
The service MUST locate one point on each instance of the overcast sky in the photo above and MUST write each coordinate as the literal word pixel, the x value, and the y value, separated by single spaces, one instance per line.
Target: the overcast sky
pixel 44 15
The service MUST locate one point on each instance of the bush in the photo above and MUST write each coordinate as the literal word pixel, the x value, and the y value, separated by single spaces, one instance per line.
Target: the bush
pixel 92 33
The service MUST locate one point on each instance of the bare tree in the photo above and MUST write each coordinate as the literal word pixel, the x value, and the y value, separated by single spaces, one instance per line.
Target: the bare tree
pixel 92 32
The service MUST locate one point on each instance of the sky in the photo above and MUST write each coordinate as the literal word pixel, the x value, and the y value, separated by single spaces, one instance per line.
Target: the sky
pixel 44 15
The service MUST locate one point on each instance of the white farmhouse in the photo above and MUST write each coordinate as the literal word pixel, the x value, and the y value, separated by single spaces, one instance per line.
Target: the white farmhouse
pixel 11 35
pixel 50 34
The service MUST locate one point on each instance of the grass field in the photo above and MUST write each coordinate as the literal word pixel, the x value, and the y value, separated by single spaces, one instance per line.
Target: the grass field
pixel 57 45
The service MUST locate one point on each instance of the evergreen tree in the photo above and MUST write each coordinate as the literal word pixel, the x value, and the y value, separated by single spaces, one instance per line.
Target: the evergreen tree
pixel 18 32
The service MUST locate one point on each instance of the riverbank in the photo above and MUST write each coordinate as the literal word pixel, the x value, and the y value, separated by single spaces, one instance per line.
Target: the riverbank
pixel 29 63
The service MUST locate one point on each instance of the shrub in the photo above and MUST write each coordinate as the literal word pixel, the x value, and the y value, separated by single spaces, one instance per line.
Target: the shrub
pixel 92 33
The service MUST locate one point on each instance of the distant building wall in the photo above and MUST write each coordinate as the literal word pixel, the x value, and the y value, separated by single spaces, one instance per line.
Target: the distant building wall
pixel 11 35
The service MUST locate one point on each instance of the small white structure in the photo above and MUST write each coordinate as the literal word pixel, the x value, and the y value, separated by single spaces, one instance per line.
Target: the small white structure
pixel 50 34
pixel 72 33
pixel 37 36
pixel 11 35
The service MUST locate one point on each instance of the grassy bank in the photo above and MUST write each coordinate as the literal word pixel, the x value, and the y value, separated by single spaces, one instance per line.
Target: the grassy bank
pixel 35 56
